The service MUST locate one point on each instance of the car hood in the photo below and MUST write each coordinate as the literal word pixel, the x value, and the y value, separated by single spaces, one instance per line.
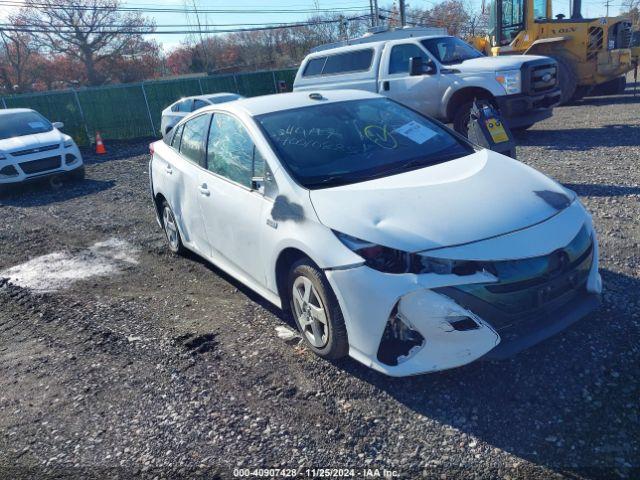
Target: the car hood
pixel 473 198
pixel 492 64
pixel 31 141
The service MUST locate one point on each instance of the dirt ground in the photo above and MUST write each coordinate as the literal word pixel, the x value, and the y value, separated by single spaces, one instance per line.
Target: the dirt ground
pixel 142 363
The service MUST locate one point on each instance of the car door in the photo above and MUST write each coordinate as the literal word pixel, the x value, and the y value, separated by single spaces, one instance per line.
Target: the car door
pixel 185 168
pixel 232 205
pixel 420 92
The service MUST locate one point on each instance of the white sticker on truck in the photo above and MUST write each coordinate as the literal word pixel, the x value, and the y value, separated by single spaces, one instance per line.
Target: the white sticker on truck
pixel 416 132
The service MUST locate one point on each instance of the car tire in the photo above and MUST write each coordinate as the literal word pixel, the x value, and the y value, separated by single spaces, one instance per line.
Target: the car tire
pixel 316 311
pixel 77 175
pixel 170 227
pixel 567 79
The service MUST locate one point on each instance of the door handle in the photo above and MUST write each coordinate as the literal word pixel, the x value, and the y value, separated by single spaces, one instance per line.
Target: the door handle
pixel 168 169
pixel 204 190
pixel 385 85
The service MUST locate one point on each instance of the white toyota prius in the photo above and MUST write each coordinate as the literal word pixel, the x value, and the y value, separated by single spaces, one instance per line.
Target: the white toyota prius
pixel 31 147
pixel 387 236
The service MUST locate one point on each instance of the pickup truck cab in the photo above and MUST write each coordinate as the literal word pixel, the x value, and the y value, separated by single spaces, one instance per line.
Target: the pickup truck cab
pixel 437 75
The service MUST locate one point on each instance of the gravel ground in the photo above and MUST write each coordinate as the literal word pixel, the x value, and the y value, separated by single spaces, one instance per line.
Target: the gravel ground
pixel 164 367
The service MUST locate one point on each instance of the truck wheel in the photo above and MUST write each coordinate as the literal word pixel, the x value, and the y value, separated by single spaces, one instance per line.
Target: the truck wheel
pixel 462 117
pixel 616 86
pixel 566 78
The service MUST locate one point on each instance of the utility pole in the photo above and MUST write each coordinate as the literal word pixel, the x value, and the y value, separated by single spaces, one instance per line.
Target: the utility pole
pixel 607 3
pixel 403 14
pixel 376 12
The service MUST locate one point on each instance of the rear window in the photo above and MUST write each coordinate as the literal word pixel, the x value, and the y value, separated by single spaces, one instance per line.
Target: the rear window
pixel 341 63
pixel 23 123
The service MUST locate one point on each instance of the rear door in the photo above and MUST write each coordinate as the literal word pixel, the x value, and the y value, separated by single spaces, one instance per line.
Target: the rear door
pixel 233 208
pixel 187 160
pixel 420 92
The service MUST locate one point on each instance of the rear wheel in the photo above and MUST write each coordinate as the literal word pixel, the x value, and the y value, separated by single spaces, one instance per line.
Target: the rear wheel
pixel 316 311
pixel 171 231
pixel 567 79
pixel 616 86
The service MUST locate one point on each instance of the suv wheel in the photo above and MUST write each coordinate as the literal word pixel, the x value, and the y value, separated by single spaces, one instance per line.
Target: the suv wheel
pixel 316 311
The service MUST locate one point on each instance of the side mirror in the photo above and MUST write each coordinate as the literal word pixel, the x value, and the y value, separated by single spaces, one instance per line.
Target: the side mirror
pixel 58 125
pixel 418 66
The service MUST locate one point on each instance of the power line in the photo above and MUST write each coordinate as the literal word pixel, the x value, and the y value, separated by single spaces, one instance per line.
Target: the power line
pixel 42 6
pixel 149 31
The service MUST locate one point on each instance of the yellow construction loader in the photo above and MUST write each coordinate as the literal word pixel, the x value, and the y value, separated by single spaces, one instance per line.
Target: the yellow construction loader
pixel 593 55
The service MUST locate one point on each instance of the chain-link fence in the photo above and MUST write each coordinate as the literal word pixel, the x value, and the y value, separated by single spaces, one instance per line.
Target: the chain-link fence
pixel 129 111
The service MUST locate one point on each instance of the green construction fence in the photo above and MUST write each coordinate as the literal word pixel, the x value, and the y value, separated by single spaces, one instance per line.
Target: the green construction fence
pixel 129 111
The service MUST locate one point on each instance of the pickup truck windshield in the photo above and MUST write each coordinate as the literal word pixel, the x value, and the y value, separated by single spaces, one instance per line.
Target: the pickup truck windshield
pixel 347 142
pixel 23 123
pixel 450 50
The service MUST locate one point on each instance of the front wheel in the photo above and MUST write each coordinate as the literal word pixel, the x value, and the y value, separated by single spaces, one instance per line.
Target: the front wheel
pixel 316 311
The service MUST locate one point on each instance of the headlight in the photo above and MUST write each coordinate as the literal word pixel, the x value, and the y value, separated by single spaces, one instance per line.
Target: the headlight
pixel 389 260
pixel 68 143
pixel 511 80
pixel 2 156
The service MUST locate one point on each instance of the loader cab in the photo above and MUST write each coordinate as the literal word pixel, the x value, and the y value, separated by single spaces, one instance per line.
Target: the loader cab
pixel 507 18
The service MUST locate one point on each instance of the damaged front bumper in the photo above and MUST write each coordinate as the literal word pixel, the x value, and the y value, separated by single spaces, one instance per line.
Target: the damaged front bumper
pixel 407 324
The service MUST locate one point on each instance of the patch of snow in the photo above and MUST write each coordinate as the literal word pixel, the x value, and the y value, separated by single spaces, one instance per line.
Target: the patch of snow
pixel 60 270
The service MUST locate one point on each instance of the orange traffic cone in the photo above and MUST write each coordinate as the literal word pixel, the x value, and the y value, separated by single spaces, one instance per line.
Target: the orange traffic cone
pixel 100 150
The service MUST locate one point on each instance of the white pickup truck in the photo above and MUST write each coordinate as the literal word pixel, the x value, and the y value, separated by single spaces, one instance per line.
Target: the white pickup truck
pixel 435 74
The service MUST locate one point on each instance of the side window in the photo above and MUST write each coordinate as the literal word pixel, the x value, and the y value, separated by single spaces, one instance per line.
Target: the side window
pixel 183 106
pixel 348 62
pixel 314 67
pixel 400 55
pixel 194 136
pixel 231 152
pixel 197 103
pixel 177 136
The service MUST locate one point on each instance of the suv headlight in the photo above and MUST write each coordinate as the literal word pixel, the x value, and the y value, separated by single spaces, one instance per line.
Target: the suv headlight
pixel 68 143
pixel 389 260
pixel 511 80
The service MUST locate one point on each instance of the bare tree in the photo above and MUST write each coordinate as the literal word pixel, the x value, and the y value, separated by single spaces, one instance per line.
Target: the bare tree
pixel 16 51
pixel 92 31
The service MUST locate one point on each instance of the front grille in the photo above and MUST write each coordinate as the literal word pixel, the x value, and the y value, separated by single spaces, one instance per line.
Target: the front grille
pixel 544 78
pixel 529 289
pixel 41 165
pixel 34 150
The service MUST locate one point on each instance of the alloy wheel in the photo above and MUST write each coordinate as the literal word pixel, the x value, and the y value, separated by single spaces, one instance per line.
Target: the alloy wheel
pixel 170 228
pixel 310 312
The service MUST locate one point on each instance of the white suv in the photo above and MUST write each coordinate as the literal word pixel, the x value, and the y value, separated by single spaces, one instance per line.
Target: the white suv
pixel 389 237
pixel 437 75
pixel 31 147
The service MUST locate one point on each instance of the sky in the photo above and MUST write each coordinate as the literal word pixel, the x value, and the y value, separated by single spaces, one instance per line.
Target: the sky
pixel 591 8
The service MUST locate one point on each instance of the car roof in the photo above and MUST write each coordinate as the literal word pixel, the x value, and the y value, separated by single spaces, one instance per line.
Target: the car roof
pixel 8 111
pixel 286 101
pixel 205 96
